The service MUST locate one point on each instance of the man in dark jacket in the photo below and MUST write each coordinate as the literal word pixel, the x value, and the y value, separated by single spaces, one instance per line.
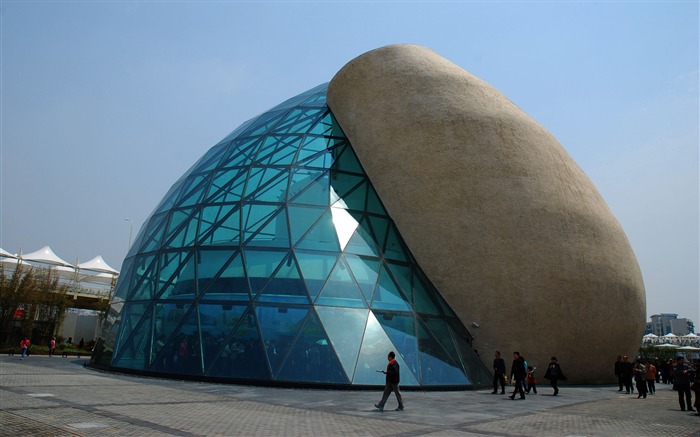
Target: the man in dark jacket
pixel 554 374
pixel 627 373
pixel 518 372
pixel 618 372
pixel 681 381
pixel 393 377
pixel 499 374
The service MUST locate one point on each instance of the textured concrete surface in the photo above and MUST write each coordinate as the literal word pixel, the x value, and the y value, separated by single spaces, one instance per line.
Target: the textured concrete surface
pixel 505 224
pixel 43 396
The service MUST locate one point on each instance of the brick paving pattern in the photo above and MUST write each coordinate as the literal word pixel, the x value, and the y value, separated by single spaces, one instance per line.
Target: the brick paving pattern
pixel 43 396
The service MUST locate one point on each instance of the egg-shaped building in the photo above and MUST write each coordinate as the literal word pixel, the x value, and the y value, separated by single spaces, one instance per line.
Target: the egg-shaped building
pixel 390 209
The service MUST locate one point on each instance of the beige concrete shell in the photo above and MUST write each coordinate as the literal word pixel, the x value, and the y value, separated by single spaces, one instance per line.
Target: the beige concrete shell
pixel 502 220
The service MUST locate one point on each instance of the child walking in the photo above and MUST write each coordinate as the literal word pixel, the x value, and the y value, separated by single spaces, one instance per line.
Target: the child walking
pixel 531 381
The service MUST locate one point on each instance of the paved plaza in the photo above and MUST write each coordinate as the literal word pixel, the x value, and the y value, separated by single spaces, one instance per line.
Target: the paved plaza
pixel 42 396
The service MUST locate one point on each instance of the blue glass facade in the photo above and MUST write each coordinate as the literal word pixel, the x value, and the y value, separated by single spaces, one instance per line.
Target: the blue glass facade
pixel 273 259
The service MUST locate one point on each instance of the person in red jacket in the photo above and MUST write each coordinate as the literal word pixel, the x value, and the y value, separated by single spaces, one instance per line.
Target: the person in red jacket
pixel 393 377
pixel 24 345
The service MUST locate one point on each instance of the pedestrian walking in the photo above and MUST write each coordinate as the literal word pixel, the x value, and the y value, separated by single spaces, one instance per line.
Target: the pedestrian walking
pixel 695 387
pixel 52 346
pixel 627 374
pixel 619 372
pixel 499 373
pixel 24 346
pixel 681 381
pixel 554 374
pixel 652 374
pixel 640 376
pixel 393 376
pixel 517 374
pixel 531 380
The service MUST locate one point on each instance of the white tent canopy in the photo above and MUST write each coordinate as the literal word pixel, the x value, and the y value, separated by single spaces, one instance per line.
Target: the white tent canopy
pixel 6 254
pixel 691 335
pixel 675 346
pixel 670 335
pixel 97 264
pixel 45 255
pixel 650 335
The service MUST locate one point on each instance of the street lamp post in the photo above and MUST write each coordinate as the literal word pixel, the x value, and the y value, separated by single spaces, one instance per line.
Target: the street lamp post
pixel 131 230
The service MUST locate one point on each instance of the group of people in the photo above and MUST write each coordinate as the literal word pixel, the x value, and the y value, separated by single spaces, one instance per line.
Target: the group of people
pixel 522 375
pixel 646 374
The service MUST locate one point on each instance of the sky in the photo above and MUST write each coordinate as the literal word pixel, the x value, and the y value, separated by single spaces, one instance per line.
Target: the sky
pixel 105 104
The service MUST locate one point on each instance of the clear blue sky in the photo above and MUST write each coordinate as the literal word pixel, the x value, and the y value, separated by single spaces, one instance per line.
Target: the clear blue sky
pixel 106 104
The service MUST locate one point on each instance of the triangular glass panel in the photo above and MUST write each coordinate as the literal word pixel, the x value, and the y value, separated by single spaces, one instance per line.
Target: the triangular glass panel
pixel 265 122
pixel 227 185
pixel 321 160
pixel 241 153
pixel 177 334
pixel 422 301
pixel 210 159
pixel 285 285
pixel 402 332
pixel 309 187
pixel 273 190
pixel 144 277
pixel 379 226
pixel 347 162
pixel 388 296
pixel 477 373
pixel 182 228
pixel 153 236
pixel 170 198
pixel 133 350
pixel 362 241
pixel 340 289
pixel 217 322
pixel 393 248
pixel 374 205
pixel 345 225
pixel 315 268
pixel 322 236
pixel 437 367
pixel 273 233
pixel 122 288
pixel 220 225
pixel 402 275
pixel 247 358
pixel 311 146
pixel 300 120
pixel 210 263
pixel 302 218
pixel 168 321
pixel 279 150
pixel 230 283
pixel 176 277
pixel 260 265
pixel 256 217
pixel 324 125
pixel 365 271
pixel 261 177
pixel 193 190
pixel 373 357
pixel 345 327
pixel 221 350
pixel 279 327
pixel 442 333
pixel 312 358
pixel 342 184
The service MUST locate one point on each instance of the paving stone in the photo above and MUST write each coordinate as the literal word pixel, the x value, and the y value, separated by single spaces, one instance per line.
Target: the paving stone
pixel 47 396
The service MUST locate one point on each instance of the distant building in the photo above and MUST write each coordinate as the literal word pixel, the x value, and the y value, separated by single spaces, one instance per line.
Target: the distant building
pixel 662 324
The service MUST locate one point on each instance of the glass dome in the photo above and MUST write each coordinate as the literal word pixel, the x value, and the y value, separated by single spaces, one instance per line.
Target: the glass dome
pixel 273 259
